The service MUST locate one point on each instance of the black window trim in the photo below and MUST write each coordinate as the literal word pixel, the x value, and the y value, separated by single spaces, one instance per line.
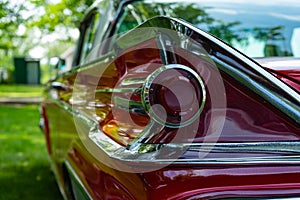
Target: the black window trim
pixel 84 24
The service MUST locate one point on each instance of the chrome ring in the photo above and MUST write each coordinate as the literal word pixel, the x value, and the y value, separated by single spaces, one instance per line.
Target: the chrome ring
pixel 146 94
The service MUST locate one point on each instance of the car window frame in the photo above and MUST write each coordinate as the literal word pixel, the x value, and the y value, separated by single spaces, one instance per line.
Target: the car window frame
pixel 89 26
pixel 109 25
pixel 82 30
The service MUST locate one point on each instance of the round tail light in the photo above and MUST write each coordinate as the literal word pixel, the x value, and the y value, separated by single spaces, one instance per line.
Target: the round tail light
pixel 174 95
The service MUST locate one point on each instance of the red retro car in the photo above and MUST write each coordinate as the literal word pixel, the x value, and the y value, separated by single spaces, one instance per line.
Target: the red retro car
pixel 179 100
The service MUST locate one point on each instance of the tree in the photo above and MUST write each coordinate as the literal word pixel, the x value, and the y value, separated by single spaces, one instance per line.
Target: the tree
pixel 27 24
pixel 10 21
pixel 60 17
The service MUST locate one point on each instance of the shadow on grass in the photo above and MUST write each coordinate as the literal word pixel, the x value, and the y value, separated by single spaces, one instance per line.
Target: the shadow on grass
pixel 28 182
pixel 24 166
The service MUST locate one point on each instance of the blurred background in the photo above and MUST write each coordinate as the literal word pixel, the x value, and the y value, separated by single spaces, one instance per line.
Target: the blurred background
pixel 32 33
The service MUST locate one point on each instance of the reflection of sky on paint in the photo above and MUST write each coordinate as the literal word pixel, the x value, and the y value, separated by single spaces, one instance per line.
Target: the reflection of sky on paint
pixel 255 50
pixel 286 16
pixel 251 14
pixel 295 42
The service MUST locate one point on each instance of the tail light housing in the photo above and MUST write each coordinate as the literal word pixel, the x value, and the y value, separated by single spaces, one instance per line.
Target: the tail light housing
pixel 168 98
pixel 173 95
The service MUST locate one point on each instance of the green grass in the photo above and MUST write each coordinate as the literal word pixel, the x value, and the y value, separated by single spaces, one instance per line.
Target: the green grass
pixel 20 91
pixel 24 166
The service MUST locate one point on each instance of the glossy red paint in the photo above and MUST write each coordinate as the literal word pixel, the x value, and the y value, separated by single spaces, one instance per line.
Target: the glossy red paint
pixel 46 130
pixel 92 93
pixel 236 181
pixel 102 185
pixel 242 123
pixel 248 118
pixel 286 69
pixel 195 182
pixel 289 76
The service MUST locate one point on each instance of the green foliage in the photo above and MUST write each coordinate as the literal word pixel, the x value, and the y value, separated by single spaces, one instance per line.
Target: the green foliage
pixel 40 18
pixel 190 12
pixel 25 25
pixel 10 20
pixel 227 31
pixel 24 167
pixel 61 16
pixel 231 32
pixel 270 33
pixel 6 60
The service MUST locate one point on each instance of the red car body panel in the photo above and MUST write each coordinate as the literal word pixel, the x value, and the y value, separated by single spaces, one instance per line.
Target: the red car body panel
pixel 177 182
pixel 82 96
pixel 286 69
pixel 255 122
pixel 198 182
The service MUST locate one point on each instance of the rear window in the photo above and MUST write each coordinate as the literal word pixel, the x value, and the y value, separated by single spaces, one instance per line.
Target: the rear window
pixel 256 28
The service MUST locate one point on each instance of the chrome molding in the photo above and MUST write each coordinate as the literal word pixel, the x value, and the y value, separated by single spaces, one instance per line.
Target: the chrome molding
pixel 291 109
pixel 76 180
pixel 146 94
pixel 251 147
pixel 284 152
pixel 280 95
pixel 151 129
pixel 132 81
pixel 129 105
pixel 116 90
pixel 149 153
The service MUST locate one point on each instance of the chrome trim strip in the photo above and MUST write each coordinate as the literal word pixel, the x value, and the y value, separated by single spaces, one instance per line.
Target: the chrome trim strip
pixel 132 81
pixel 251 147
pixel 151 129
pixel 116 90
pixel 129 105
pixel 288 108
pixel 283 105
pixel 150 153
pixel 243 58
pixel 78 182
pixel 57 177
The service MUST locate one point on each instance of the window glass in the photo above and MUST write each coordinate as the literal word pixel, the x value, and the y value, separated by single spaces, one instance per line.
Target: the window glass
pixel 256 28
pixel 89 37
